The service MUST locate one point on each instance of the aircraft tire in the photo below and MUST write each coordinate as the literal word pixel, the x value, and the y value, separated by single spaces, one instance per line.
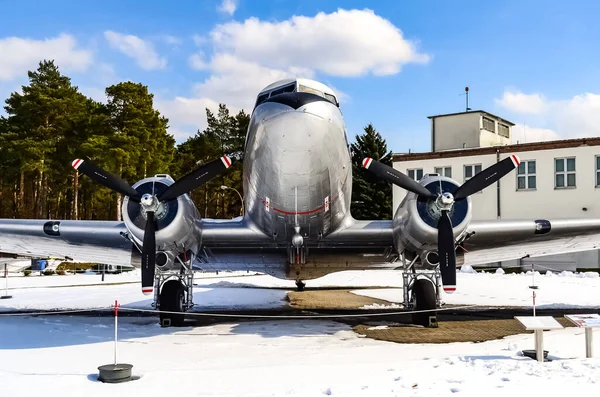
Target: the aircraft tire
pixel 424 293
pixel 171 300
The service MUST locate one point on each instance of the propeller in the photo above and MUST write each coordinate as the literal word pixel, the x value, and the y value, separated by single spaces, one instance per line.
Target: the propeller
pixel 445 201
pixel 150 203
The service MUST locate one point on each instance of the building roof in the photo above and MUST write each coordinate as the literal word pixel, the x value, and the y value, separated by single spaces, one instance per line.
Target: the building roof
pixel 520 147
pixel 473 111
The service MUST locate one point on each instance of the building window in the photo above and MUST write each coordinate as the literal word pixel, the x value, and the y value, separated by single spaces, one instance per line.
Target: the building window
pixel 564 172
pixel 416 174
pixel 489 124
pixel 526 175
pixel 597 171
pixel 471 171
pixel 444 171
pixel 503 130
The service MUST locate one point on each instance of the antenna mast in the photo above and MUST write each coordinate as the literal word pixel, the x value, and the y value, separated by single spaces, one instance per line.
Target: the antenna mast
pixel 467 98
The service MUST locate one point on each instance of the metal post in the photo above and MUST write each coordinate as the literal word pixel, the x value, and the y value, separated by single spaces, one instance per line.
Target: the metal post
pixel 103 270
pixel 539 344
pixel 116 322
pixel 6 281
pixel 588 342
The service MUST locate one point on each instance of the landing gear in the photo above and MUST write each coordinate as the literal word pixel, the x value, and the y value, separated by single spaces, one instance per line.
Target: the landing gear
pixel 172 299
pixel 423 293
pixel 421 290
pixel 300 285
pixel 173 293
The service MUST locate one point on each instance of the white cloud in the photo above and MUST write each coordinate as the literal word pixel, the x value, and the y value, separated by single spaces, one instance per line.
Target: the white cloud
pixel 250 55
pixel 198 62
pixel 523 133
pixel 343 43
pixel 21 54
pixel 577 117
pixel 186 115
pixel 134 47
pixel 170 40
pixel 199 40
pixel 232 82
pixel 522 103
pixel 236 82
pixel 228 6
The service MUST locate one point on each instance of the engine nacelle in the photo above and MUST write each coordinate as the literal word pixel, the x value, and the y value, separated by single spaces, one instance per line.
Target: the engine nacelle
pixel 415 221
pixel 177 221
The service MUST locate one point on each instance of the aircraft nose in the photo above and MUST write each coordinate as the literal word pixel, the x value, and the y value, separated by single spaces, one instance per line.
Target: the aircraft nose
pixel 296 131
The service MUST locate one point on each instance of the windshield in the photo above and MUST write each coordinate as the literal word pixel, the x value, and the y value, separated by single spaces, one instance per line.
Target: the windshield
pixel 262 97
pixel 329 97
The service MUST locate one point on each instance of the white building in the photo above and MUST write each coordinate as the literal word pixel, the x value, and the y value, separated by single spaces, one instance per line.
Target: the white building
pixel 557 179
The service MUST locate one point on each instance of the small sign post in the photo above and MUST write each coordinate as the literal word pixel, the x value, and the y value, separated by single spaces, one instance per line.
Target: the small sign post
pixel 588 322
pixel 6 295
pixel 116 322
pixel 538 324
pixel 115 372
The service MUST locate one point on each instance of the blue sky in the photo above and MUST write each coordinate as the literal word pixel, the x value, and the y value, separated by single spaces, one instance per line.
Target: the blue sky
pixel 395 62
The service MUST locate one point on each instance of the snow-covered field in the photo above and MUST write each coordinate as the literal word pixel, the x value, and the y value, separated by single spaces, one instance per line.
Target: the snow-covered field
pixel 241 290
pixel 59 354
pixel 555 290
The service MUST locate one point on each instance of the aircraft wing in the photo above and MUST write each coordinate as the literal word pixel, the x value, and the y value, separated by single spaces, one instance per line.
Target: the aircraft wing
pixel 81 241
pixel 501 240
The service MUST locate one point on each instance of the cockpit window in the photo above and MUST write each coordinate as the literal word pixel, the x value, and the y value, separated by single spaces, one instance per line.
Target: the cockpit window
pixel 261 99
pixel 287 88
pixel 329 97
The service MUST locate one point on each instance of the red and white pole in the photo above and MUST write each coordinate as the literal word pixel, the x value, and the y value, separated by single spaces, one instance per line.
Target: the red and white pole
pixel 533 284
pixel 116 322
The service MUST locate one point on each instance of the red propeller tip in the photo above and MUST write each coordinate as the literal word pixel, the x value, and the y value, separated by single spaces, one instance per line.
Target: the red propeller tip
pixel 367 162
pixel 515 159
pixel 76 163
pixel 226 161
pixel 449 289
pixel 147 291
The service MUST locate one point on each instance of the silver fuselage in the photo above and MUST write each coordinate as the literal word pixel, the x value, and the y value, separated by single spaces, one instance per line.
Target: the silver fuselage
pixel 297 170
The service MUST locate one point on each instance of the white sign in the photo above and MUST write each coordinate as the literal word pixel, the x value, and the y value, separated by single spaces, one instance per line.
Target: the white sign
pixel 539 322
pixel 326 203
pixel 584 320
pixel 267 205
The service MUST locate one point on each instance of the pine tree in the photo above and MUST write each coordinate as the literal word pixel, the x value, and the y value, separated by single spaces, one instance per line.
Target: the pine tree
pixel 41 124
pixel 371 196
pixel 140 146
pixel 224 135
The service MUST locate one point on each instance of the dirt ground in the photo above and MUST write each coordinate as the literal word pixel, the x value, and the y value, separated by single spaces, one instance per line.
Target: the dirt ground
pixel 448 331
pixel 331 299
pixel 477 330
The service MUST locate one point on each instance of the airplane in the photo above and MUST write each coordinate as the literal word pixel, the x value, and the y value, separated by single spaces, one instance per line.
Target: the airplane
pixel 297 183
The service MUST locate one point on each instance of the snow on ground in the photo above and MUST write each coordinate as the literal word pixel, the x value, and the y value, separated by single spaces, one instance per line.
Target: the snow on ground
pixel 89 292
pixel 562 290
pixel 59 356
pixel 241 290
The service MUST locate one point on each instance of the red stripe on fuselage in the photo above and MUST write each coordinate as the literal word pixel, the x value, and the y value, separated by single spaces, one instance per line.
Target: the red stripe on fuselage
pixel 300 212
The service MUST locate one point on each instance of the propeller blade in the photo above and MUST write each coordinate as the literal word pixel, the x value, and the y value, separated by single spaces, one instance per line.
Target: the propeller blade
pixel 446 252
pixel 486 177
pixel 149 255
pixel 105 178
pixel 396 177
pixel 195 178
